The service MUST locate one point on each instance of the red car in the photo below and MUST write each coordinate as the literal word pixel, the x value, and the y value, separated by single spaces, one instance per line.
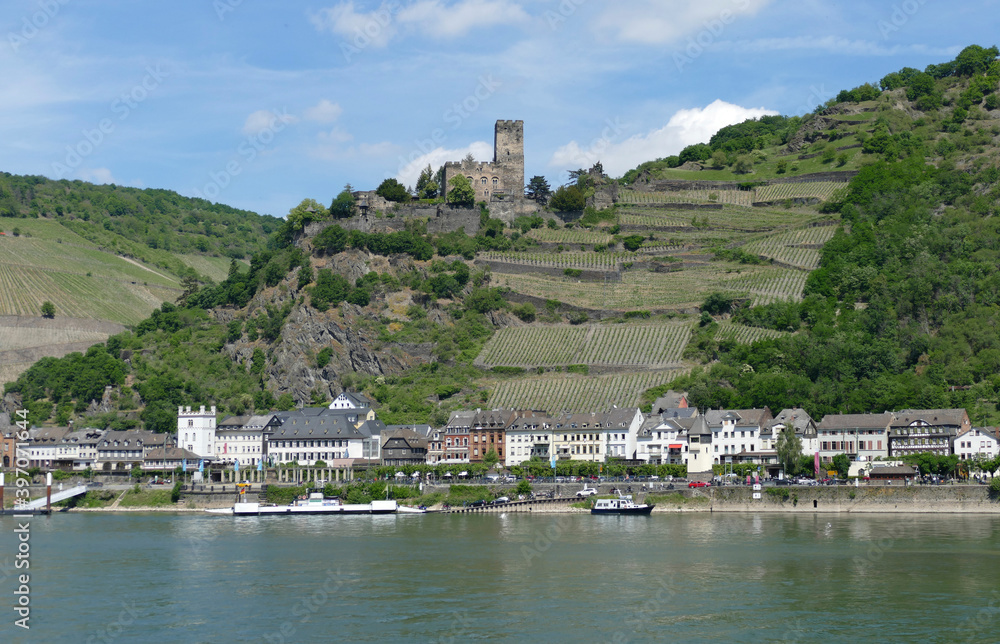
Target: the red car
pixel 697 484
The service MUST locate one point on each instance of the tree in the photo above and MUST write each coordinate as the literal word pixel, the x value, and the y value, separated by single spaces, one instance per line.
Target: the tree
pixel 308 211
pixel 460 192
pixel 789 448
pixel 842 463
pixel 48 309
pixel 719 159
pixel 392 190
pixel 538 189
pixel 427 187
pixel 568 199
pixel 343 206
pixel 491 458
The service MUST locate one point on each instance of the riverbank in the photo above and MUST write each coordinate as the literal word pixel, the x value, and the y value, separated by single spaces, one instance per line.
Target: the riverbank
pixel 875 499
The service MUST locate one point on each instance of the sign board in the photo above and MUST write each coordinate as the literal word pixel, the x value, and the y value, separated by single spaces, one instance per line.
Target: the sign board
pixel 756 487
pixel 756 496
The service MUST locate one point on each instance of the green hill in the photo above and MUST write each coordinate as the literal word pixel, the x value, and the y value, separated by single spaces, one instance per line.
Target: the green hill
pixel 105 253
pixel 844 261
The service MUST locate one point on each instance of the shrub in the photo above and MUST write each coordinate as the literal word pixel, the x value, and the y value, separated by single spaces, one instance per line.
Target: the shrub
pixel 573 272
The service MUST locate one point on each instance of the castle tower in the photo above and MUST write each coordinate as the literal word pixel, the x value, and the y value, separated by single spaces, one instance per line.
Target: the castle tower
pixel 508 155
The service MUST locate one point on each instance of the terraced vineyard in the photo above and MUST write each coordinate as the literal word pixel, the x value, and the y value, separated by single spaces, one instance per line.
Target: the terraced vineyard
pixel 644 345
pixel 555 393
pixel 735 197
pixel 744 334
pixel 822 190
pixel 56 265
pixel 593 261
pixel 568 236
pixel 533 347
pixel 684 289
pixel 785 246
pixel 775 288
pixel 22 338
pixel 729 217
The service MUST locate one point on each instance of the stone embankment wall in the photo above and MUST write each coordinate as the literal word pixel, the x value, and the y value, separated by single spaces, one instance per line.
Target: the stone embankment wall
pixel 894 498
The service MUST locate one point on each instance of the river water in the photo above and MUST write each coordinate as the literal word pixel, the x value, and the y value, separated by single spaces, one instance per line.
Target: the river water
pixel 514 578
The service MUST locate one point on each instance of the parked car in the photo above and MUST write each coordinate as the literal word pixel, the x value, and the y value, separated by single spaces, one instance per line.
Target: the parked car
pixel 698 484
pixel 587 491
pixel 477 504
pixel 501 500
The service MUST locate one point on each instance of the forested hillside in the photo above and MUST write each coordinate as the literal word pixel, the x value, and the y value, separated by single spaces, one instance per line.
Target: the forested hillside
pixel 847 262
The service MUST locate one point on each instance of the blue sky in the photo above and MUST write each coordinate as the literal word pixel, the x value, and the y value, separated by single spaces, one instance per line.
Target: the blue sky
pixel 260 104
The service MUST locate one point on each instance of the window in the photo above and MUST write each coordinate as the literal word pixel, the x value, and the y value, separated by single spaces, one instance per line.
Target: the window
pixel 495 182
pixel 190 422
pixel 483 181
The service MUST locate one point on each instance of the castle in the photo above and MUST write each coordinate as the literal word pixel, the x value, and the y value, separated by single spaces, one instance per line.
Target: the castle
pixel 501 180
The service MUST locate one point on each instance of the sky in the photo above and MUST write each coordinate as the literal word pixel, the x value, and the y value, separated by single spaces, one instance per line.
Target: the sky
pixel 261 104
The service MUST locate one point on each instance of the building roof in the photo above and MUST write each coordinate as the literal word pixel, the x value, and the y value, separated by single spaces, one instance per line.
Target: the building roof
pixel 412 439
pixel 670 400
pixel 797 418
pixel 326 426
pixel 172 454
pixel 85 435
pixel 700 427
pixel 47 435
pixel 855 421
pixel 742 417
pixel 933 417
pixel 893 470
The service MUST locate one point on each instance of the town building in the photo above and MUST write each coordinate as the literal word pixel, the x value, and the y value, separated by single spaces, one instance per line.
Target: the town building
pixel 977 443
pixel 736 434
pixel 243 439
pixel 663 438
pixel 196 431
pixel 700 455
pixel 487 433
pixel 403 446
pixel 318 434
pixel 926 430
pixel 124 449
pixel 78 449
pixel 528 436
pixel 456 436
pixel 168 459
pixel 863 437
pixel 43 446
pixel 597 437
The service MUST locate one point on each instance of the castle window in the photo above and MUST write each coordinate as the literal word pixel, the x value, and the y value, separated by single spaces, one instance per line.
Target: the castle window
pixel 483 181
pixel 495 182
pixel 471 180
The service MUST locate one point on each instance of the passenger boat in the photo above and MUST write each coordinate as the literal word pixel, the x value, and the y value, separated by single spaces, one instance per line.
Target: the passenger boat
pixel 622 505
pixel 314 503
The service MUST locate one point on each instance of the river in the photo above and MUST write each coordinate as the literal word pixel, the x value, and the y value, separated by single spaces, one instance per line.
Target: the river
pixel 515 578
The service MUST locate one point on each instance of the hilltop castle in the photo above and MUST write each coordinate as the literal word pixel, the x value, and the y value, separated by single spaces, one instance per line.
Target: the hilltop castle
pixel 501 180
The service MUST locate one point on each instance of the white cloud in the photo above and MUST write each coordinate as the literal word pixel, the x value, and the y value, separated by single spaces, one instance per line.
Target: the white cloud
pixel 409 170
pixel 685 127
pixel 440 19
pixel 324 112
pixel 435 18
pixel 362 29
pixel 96 175
pixel 653 22
pixel 265 120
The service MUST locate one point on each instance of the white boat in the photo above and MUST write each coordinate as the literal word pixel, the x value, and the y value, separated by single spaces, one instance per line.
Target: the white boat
pixel 622 505
pixel 314 503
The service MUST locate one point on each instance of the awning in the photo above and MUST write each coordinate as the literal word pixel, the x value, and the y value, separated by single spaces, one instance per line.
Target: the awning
pixel 675 446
